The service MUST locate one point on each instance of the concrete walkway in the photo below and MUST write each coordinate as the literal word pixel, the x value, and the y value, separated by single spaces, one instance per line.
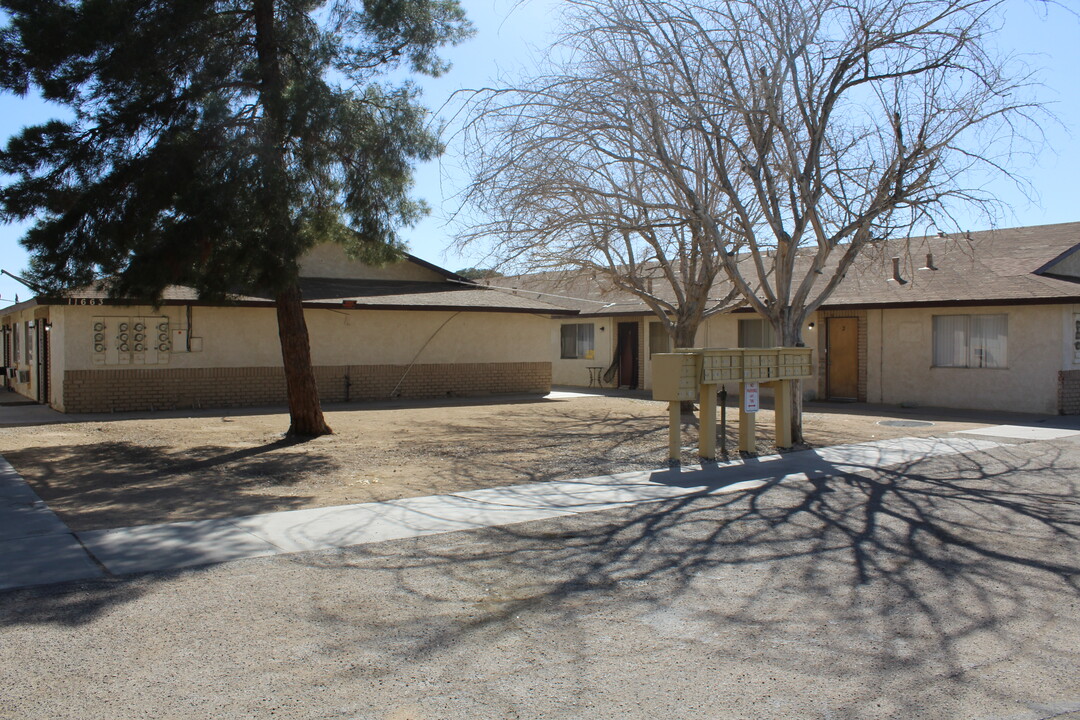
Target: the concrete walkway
pixel 37 548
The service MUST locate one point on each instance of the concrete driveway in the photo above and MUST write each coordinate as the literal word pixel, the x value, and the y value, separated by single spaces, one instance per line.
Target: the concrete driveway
pixel 941 588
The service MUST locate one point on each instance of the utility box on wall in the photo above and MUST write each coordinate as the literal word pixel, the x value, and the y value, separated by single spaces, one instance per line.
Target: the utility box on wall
pixel 140 340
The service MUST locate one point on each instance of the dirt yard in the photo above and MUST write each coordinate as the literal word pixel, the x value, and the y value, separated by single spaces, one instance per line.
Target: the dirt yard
pixel 122 472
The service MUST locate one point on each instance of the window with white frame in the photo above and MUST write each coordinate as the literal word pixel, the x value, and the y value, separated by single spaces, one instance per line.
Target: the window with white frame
pixel 756 333
pixel 971 341
pixel 577 341
pixel 16 355
pixel 30 338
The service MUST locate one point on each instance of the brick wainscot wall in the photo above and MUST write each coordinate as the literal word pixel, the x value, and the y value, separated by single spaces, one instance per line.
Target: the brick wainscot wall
pixel 163 389
pixel 1069 392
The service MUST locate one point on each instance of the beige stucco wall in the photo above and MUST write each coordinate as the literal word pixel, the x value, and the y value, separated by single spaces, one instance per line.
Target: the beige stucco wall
pixel 716 331
pixel 575 372
pixel 17 318
pixel 900 359
pixel 58 359
pixel 330 261
pixel 247 337
pixel 720 331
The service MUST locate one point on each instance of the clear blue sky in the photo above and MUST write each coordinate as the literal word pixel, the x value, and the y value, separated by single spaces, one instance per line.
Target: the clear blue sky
pixel 509 34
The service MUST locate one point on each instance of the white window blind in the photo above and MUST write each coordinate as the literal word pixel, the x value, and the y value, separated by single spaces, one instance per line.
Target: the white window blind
pixel 971 341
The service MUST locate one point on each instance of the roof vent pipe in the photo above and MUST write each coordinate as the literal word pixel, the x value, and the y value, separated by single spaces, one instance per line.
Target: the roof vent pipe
pixel 896 271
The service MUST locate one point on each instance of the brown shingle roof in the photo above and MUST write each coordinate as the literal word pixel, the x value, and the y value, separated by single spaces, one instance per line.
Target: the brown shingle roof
pixel 418 295
pixel 376 294
pixel 989 267
pixel 586 293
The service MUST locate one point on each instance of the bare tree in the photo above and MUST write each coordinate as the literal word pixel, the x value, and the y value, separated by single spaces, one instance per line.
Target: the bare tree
pixel 791 135
pixel 573 172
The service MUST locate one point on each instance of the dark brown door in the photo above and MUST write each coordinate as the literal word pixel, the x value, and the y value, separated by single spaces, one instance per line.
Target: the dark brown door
pixel 842 358
pixel 628 355
pixel 41 335
pixel 7 355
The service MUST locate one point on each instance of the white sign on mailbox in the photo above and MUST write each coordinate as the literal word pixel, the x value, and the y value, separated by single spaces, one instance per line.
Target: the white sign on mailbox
pixel 751 397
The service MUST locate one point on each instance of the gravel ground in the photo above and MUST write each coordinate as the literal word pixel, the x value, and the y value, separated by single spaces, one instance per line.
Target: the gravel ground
pixel 125 470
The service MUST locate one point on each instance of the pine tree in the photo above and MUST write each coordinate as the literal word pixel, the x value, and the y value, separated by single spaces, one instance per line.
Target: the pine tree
pixel 213 142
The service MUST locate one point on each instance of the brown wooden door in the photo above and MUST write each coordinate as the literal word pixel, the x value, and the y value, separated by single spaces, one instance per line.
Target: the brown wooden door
pixel 842 358
pixel 628 355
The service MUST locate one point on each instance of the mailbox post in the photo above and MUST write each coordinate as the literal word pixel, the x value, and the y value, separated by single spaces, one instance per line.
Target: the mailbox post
pixel 676 377
pixel 692 374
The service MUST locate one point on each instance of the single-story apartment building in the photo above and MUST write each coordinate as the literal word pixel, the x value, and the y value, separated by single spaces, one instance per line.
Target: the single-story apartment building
pixel 410 329
pixel 987 320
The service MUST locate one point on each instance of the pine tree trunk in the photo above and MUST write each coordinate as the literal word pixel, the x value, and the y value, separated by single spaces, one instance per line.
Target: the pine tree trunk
pixel 305 412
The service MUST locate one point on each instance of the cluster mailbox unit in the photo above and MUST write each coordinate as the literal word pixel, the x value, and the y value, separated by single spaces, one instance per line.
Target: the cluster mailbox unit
pixel 692 374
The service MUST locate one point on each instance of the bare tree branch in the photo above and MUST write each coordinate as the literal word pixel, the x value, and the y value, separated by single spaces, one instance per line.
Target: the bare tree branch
pixel 767 141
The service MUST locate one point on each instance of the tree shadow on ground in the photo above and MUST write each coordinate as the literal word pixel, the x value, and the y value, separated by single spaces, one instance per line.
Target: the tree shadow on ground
pixel 570 444
pixel 883 589
pixel 120 484
pixel 893 583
